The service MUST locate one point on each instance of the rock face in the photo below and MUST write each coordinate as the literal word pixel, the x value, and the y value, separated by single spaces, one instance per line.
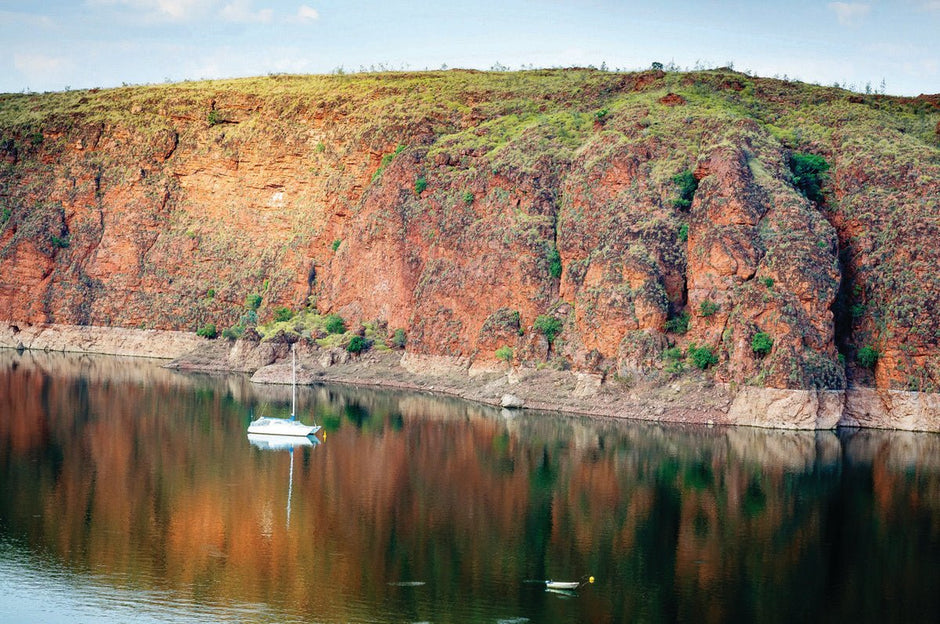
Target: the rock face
pixel 463 207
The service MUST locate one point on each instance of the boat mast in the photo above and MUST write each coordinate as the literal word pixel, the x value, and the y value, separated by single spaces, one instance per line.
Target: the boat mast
pixel 293 383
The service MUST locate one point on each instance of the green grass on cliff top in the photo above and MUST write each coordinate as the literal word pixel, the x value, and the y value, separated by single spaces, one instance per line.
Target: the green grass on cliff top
pixel 450 102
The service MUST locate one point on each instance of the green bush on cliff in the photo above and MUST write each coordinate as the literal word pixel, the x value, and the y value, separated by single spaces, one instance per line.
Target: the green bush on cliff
pixel 253 301
pixel 282 314
pixel 867 356
pixel 687 187
pixel 234 332
pixel 334 324
pixel 708 308
pixel 549 326
pixel 702 357
pixel 809 174
pixel 420 184
pixel 399 339
pixel 5 216
pixel 761 343
pixel 504 354
pixel 554 262
pixel 678 324
pixel 357 344
pixel 207 331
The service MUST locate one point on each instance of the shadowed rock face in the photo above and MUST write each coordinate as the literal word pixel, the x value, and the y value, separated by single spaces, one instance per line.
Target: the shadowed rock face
pixel 437 203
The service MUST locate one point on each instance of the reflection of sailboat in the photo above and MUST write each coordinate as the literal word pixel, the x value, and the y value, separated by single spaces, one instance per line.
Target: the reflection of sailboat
pixel 285 426
pixel 283 443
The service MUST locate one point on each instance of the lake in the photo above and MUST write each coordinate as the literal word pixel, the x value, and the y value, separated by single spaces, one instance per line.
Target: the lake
pixel 130 493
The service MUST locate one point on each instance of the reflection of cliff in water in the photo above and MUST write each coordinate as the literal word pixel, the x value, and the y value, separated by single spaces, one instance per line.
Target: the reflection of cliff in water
pixel 122 466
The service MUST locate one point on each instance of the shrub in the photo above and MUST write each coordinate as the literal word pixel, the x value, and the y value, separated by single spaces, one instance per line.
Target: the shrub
pixel 214 117
pixel 399 339
pixel 708 308
pixel 683 232
pixel 282 314
pixel 601 115
pixel 504 353
pixel 207 331
pixel 5 216
pixel 234 332
pixel 357 344
pixel 548 325
pixel 674 356
pixel 678 324
pixel 768 282
pixel 809 174
pixel 420 184
pixel 761 343
pixel 253 301
pixel 335 244
pixel 59 243
pixel 210 294
pixel 554 262
pixel 702 357
pixel 334 324
pixel 687 187
pixel 868 356
pixel 468 198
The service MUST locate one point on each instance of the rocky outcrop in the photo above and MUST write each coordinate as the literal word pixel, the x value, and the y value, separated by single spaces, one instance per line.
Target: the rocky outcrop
pixel 152 343
pixel 648 216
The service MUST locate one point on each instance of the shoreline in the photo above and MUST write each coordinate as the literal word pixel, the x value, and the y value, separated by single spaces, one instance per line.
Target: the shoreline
pixel 692 398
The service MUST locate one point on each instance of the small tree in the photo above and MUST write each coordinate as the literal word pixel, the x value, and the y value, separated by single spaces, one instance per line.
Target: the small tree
pixel 334 324
pixel 868 356
pixel 554 262
pixel 357 344
pixel 207 331
pixel 253 301
pixel 282 314
pixel 420 184
pixel 399 339
pixel 548 325
pixel 762 343
pixel 809 174
pixel 708 308
pixel 504 354
pixel 702 357
pixel 687 187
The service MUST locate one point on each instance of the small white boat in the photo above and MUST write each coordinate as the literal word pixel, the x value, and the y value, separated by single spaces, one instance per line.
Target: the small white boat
pixel 285 426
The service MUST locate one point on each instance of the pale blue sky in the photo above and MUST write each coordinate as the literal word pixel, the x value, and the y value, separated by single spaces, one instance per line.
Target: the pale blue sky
pixel 57 44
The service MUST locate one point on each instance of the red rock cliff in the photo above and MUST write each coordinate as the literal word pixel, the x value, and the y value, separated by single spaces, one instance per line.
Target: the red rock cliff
pixel 442 203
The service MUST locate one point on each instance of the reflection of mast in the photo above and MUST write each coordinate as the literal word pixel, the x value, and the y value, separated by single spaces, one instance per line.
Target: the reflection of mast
pixel 290 484
pixel 283 443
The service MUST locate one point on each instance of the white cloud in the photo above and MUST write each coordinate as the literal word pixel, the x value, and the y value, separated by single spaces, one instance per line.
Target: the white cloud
pixel 849 12
pixel 241 11
pixel 307 13
pixel 40 65
pixel 176 10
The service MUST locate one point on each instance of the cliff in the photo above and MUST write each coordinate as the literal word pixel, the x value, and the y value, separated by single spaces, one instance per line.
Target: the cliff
pixel 780 235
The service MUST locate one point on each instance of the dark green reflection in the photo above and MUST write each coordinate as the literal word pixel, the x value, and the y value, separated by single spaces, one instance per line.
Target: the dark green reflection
pixel 419 508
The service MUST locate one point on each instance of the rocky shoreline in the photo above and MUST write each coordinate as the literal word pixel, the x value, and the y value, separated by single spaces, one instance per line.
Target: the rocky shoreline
pixel 689 398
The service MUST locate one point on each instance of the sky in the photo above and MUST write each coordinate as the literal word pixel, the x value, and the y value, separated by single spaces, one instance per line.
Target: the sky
pixel 54 45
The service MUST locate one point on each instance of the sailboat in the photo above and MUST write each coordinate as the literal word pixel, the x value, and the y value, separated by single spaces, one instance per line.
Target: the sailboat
pixel 284 426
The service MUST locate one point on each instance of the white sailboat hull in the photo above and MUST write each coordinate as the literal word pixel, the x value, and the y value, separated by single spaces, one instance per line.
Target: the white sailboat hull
pixel 281 426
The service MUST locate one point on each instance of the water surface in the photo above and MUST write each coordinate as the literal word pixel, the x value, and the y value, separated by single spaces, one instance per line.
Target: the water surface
pixel 129 493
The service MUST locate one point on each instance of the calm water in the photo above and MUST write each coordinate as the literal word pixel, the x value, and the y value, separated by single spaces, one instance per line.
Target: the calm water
pixel 132 494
